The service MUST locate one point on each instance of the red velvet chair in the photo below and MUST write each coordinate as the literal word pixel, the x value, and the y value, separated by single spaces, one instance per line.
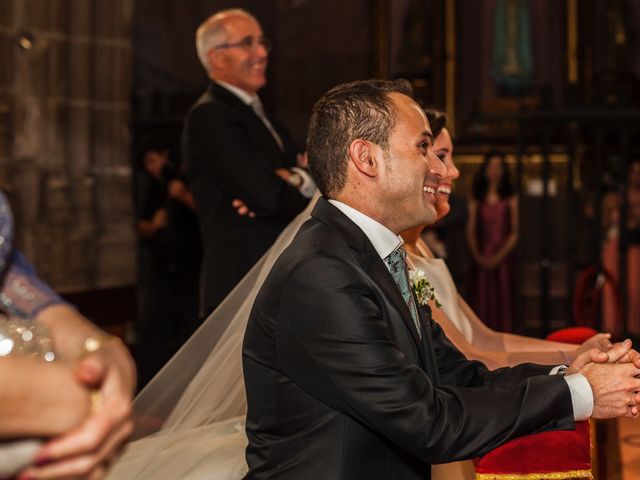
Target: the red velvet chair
pixel 561 454
pixel 575 335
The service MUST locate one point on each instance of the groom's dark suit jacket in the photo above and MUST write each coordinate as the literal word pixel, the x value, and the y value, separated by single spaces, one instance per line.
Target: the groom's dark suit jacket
pixel 229 153
pixel 339 386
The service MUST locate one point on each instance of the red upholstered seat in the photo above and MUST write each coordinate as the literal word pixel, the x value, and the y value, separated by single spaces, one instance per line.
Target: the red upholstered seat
pixel 576 335
pixel 561 454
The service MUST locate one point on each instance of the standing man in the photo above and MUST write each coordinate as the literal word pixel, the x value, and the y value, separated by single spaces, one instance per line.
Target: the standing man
pixel 347 376
pixel 234 151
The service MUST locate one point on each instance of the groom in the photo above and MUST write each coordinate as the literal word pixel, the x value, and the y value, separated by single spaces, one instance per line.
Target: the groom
pixel 345 377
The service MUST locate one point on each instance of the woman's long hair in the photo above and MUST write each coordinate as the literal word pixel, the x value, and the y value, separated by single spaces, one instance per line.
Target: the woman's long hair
pixel 481 184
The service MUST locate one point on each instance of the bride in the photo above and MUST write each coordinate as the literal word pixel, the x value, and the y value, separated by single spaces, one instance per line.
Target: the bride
pixel 191 415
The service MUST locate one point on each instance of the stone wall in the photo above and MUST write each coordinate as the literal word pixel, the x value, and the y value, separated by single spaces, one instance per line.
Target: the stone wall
pixel 64 137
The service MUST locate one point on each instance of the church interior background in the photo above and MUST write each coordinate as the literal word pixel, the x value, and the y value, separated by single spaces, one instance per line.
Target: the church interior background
pixel 555 85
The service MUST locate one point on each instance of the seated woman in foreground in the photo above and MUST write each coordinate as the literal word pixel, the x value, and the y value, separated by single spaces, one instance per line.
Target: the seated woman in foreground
pixel 64 380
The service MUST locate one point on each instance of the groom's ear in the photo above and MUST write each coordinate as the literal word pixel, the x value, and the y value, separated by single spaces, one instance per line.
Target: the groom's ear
pixel 362 155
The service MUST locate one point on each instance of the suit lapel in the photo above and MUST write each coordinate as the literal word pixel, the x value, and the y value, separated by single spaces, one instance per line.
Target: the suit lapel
pixel 428 350
pixel 253 122
pixel 371 261
pixel 267 140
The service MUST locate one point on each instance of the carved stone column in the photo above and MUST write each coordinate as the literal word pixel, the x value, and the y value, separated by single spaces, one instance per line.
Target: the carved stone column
pixel 64 137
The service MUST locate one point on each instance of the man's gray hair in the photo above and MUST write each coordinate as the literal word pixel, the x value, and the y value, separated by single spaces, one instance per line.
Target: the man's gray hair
pixel 213 32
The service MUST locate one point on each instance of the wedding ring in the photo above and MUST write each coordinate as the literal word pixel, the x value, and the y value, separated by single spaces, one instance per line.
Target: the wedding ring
pixel 96 400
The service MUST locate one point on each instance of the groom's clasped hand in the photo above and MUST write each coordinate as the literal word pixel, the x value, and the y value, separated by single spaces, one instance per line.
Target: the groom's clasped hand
pixel 613 377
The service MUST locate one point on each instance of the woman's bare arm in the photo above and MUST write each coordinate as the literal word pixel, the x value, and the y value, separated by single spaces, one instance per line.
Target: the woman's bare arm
pixel 498 357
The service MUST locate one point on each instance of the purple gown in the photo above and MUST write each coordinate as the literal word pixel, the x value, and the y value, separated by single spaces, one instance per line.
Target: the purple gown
pixel 492 290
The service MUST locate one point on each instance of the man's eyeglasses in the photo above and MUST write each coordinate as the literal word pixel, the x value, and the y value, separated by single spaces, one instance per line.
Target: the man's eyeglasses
pixel 247 44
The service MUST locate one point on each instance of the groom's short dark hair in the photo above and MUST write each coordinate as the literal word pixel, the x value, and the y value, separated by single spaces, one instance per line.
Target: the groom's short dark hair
pixel 356 110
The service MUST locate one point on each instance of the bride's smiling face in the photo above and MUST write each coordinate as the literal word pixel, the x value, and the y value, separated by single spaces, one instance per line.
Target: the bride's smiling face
pixel 443 148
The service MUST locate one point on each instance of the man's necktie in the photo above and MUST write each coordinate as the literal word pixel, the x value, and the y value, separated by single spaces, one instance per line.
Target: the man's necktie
pixel 397 264
pixel 257 107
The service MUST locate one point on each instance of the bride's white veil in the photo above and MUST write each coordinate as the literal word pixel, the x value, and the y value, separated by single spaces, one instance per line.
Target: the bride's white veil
pixel 190 417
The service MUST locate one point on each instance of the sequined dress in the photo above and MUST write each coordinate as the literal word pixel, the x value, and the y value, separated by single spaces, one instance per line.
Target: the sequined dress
pixel 22 294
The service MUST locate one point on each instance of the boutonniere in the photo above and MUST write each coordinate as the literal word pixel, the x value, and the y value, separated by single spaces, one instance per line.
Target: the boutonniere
pixel 422 289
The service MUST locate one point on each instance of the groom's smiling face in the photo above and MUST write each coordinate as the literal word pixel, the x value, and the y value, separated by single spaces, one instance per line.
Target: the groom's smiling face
pixel 411 170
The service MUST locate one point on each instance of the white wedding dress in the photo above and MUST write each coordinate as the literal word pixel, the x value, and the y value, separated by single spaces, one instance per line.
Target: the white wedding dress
pixel 190 417
pixel 441 280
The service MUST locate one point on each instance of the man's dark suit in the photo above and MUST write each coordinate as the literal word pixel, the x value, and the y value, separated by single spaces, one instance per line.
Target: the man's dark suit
pixel 230 154
pixel 339 386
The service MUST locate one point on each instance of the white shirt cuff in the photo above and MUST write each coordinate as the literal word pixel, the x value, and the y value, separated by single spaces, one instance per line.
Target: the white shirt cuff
pixel 554 370
pixel 581 396
pixel 308 187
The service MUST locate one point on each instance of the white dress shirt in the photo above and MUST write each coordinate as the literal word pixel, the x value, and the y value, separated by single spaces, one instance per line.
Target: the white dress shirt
pixel 385 242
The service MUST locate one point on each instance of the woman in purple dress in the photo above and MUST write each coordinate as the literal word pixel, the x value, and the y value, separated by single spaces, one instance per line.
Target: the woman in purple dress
pixel 492 233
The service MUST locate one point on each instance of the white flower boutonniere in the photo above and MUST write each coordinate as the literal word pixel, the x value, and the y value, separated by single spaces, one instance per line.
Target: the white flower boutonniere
pixel 422 289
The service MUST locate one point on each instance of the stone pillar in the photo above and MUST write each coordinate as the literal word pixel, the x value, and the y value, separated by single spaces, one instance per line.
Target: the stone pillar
pixel 64 137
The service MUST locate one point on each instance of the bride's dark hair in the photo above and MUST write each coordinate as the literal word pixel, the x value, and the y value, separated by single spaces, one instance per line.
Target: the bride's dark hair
pixel 437 120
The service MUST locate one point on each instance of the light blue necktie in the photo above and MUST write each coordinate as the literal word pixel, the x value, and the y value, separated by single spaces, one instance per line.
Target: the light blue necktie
pixel 257 107
pixel 397 265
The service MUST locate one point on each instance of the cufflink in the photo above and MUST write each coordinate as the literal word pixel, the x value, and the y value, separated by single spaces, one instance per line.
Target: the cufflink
pixel 562 370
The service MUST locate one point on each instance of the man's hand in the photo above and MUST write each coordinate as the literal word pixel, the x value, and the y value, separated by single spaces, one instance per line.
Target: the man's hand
pixel 283 173
pixel 302 160
pixel 86 450
pixel 590 356
pixel 615 389
pixel 601 341
pixel 612 377
pixel 242 209
pixel 618 353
